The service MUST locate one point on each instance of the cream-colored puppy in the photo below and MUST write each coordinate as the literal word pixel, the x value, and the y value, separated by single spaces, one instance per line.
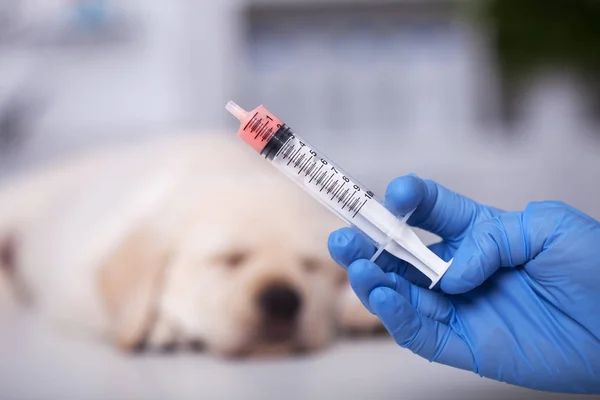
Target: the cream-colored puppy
pixel 173 241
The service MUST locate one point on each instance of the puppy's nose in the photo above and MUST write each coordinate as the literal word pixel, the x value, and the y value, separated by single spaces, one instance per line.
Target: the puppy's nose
pixel 280 302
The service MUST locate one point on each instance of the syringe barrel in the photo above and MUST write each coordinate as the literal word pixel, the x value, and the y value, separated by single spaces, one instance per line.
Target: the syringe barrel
pixel 302 162
pixel 324 180
pixel 334 188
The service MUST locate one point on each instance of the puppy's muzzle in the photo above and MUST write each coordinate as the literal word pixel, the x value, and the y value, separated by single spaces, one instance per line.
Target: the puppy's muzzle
pixel 280 306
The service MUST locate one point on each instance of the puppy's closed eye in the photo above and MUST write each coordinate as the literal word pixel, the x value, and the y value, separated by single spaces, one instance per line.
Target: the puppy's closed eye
pixel 233 259
pixel 311 265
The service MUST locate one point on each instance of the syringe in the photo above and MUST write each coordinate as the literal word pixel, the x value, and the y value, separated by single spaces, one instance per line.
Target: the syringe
pixel 335 189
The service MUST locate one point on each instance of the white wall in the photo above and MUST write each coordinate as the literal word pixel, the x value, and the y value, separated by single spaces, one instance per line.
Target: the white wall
pixel 184 63
pixel 168 75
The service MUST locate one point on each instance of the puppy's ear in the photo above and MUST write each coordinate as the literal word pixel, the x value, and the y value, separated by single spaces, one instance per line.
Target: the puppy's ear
pixel 130 282
pixel 341 275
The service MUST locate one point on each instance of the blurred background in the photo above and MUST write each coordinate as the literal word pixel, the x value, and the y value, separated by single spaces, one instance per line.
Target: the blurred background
pixel 496 99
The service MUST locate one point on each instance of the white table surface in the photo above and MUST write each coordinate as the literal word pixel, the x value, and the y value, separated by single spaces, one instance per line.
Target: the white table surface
pixel 37 361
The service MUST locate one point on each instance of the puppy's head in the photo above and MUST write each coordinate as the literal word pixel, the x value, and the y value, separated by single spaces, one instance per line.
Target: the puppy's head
pixel 239 265
pixel 252 274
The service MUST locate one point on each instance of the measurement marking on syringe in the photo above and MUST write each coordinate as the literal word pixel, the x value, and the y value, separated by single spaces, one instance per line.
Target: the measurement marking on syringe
pixel 315 174
pixel 262 130
pixel 326 178
pixel 304 166
pixel 326 183
pixel 321 178
pixel 267 135
pixel 292 157
pixel 288 151
pixel 309 170
pixel 261 127
pixel 343 195
pixel 282 149
pixel 332 188
pixel 251 119
pixel 338 191
pixel 296 156
pixel 299 160
pixel 353 205
pixel 256 125
pixel 360 208
pixel 347 201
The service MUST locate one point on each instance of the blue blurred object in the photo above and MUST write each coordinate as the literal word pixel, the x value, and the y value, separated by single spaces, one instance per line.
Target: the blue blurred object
pixel 91 14
pixel 519 303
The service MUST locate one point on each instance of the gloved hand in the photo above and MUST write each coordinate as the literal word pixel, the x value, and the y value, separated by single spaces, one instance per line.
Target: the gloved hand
pixel 520 303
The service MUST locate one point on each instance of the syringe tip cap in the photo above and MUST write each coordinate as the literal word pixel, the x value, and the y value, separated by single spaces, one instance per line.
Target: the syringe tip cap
pixel 236 110
pixel 257 127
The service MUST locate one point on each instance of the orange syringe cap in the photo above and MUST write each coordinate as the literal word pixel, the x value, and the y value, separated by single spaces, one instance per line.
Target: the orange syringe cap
pixel 257 127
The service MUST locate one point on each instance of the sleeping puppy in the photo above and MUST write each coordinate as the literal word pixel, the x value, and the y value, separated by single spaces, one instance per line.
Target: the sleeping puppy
pixel 173 242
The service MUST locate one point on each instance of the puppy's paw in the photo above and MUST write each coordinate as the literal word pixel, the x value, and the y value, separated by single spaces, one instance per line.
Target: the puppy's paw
pixel 162 338
pixel 355 319
pixel 12 292
pixel 7 298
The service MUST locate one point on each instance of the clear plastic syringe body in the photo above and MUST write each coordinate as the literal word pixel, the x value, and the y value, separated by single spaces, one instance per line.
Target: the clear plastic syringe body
pixel 334 188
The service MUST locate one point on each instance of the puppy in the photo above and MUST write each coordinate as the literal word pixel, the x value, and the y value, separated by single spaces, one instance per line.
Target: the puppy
pixel 177 241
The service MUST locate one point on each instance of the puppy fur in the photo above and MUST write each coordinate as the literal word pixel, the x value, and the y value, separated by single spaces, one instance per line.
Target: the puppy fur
pixel 171 242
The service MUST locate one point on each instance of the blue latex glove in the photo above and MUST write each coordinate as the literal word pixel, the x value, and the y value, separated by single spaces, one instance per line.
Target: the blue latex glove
pixel 519 304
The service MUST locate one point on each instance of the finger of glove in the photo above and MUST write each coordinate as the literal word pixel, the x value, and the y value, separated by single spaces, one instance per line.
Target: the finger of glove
pixel 347 245
pixel 365 276
pixel 425 337
pixel 492 244
pixel 430 304
pixel 436 209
